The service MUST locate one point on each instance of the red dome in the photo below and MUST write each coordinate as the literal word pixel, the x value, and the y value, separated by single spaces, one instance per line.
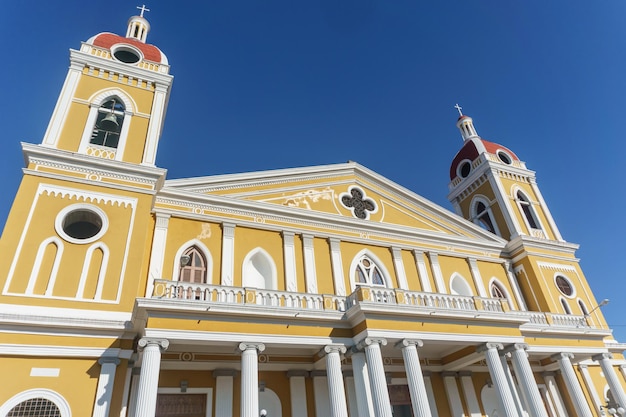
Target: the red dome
pixel 474 147
pixel 107 40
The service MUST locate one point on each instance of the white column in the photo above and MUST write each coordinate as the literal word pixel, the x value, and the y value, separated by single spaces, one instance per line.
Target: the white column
pixel 434 265
pixel 289 253
pixel 422 271
pixel 348 380
pixel 320 392
pixel 157 254
pixel 378 380
pixel 250 378
pixel 597 402
pixel 365 404
pixel 224 392
pixel 400 271
pixel 499 379
pixel 336 388
pixel 470 394
pixel 512 386
pixel 452 392
pixel 337 264
pixel 104 391
pixel 127 388
pixel 528 384
pixel 431 394
pixel 310 273
pixel 149 378
pixel 134 391
pixel 622 369
pixel 553 389
pixel 297 389
pixel 415 379
pixel 611 378
pixel 571 382
pixel 478 280
pixel 228 254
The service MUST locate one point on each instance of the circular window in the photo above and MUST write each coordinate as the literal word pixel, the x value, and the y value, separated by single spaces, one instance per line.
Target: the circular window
pixel 126 54
pixel 564 285
pixel 81 223
pixel 464 169
pixel 504 157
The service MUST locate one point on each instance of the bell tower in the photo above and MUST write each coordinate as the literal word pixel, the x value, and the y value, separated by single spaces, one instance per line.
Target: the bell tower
pixel 82 218
pixel 112 104
pixel 491 186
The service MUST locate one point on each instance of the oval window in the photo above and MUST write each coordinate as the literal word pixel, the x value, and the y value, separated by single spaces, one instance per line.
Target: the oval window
pixel 564 285
pixel 126 54
pixel 504 157
pixel 464 169
pixel 81 223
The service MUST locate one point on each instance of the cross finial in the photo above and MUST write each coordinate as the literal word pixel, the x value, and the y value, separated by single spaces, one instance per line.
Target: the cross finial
pixel 143 9
pixel 459 109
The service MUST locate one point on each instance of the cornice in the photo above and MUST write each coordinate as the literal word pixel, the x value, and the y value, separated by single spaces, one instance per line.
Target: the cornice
pixel 79 57
pixel 260 212
pixel 70 161
pixel 522 246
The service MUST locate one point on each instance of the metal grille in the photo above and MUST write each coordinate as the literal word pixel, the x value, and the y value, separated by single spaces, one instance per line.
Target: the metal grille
pixel 35 407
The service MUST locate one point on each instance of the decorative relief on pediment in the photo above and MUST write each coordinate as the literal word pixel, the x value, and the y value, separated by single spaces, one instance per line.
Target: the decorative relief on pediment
pixel 303 199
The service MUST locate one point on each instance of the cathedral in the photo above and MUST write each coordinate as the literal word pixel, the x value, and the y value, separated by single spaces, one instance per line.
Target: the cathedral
pixel 324 291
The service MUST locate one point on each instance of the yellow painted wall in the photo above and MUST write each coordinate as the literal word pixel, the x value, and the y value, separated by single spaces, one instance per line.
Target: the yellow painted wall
pixel 450 265
pixel 247 239
pixel 323 266
pixel 410 268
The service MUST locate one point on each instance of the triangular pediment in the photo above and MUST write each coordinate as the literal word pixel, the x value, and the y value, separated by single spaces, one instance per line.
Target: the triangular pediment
pixel 346 190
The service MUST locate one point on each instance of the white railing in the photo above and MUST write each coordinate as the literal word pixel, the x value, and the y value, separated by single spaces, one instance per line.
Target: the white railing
pixel 177 290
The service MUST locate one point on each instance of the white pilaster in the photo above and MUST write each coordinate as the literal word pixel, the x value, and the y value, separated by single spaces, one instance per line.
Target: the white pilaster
pixel 297 389
pixel 127 388
pixel 157 254
pixel 434 265
pixel 350 394
pixel 555 395
pixel 499 379
pixel 250 378
pixel 528 384
pixel 336 388
pixel 156 123
pixel 149 378
pixel 310 273
pixel 378 380
pixel 134 392
pixel 452 392
pixel 611 378
pixel 591 389
pixel 422 272
pixel 321 394
pixel 289 253
pixel 415 379
pixel 546 210
pixel 228 254
pixel 470 394
pixel 61 110
pixel 224 392
pixel 571 382
pixel 365 404
pixel 335 257
pixel 431 394
pixel 104 391
pixel 508 268
pixel 478 280
pixel 399 266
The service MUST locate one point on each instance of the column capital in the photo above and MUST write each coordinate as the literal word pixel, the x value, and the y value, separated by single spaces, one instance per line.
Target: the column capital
pixel 601 356
pixel 487 346
pixel 517 346
pixel 163 344
pixel 109 359
pixel 369 341
pixel 562 355
pixel 341 349
pixel 243 346
pixel 409 342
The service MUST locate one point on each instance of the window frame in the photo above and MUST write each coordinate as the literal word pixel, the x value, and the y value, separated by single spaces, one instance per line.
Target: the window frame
pixel 475 216
pixel 528 212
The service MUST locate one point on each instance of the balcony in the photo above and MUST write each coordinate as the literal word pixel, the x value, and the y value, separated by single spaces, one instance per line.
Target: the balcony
pixel 366 297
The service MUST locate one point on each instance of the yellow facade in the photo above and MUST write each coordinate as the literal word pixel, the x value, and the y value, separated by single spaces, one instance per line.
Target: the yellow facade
pixel 303 292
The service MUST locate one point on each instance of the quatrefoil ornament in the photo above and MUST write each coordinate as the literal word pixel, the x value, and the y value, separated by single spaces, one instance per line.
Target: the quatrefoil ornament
pixel 358 203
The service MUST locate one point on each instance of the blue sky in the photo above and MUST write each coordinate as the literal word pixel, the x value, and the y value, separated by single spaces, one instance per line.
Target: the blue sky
pixel 281 83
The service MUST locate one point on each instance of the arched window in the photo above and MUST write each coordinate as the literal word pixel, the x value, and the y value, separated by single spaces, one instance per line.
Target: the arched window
pixel 106 130
pixel 35 407
pixel 459 286
pixel 259 270
pixel 527 209
pixel 367 272
pixel 566 308
pixel 483 217
pixel 193 266
pixel 497 291
pixel 583 307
